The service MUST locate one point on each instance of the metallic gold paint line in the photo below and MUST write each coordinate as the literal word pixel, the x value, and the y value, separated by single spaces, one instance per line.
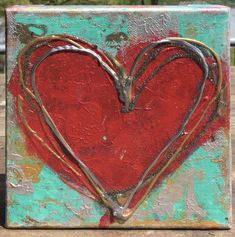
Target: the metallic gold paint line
pixel 95 183
pixel 198 58
pixel 20 99
pixel 121 212
pixel 189 134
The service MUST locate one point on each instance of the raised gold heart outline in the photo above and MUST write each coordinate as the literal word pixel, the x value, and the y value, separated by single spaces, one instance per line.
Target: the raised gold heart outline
pixel 120 212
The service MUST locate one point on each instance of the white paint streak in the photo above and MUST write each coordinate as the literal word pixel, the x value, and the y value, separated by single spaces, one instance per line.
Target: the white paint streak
pixel 22 185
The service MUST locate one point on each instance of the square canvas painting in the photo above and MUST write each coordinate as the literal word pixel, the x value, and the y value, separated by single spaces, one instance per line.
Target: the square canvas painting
pixel 118 117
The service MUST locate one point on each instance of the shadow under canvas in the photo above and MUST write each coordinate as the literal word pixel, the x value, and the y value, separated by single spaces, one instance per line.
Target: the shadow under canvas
pixel 2 199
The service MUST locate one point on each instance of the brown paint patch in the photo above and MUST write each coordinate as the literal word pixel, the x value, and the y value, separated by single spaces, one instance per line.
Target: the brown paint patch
pixel 116 39
pixel 191 31
pixel 32 171
pixel 223 106
pixel 200 175
pixel 24 34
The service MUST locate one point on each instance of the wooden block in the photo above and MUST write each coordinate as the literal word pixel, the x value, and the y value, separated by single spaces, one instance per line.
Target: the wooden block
pixel 118 117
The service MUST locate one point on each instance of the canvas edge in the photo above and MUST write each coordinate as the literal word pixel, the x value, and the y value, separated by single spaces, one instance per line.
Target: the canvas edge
pixel 184 225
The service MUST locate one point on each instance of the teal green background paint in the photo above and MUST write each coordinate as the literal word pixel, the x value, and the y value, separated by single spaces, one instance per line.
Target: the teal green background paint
pixel 208 191
pixel 92 29
pixel 210 29
pixel 48 203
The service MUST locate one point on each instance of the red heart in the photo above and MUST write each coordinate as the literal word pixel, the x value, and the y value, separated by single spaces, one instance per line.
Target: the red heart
pixel 117 146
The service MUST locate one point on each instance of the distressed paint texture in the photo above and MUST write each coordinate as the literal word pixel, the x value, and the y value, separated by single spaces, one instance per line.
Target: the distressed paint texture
pixel 196 195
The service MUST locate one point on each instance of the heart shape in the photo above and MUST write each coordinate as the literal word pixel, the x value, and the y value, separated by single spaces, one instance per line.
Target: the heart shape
pixel 105 122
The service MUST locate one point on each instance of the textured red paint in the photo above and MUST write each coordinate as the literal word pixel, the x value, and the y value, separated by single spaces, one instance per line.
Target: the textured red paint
pixel 106 220
pixel 117 147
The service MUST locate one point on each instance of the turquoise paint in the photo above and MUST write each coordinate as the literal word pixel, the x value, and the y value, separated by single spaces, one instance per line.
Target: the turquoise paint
pixel 13 135
pixel 97 27
pixel 36 30
pixel 211 29
pixel 57 194
pixel 97 211
pixel 52 188
pixel 92 29
pixel 179 206
pixel 55 209
pixel 208 191
pixel 47 203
